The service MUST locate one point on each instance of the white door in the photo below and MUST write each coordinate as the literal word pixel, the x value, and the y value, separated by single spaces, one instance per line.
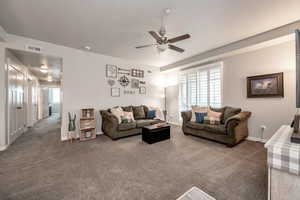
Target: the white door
pixel 32 103
pixel 16 109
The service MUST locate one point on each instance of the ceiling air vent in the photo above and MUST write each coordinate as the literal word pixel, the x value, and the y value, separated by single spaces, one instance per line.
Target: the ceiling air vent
pixel 32 48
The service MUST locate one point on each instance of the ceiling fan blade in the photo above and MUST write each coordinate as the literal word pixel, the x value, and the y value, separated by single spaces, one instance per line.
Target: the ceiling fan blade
pixel 179 38
pixel 143 46
pixel 176 48
pixel 155 36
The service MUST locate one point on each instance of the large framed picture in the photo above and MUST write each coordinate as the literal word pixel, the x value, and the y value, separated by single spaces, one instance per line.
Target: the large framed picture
pixel 268 85
pixel 111 71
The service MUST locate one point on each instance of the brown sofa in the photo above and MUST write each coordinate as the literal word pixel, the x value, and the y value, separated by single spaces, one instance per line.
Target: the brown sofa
pixel 112 128
pixel 232 130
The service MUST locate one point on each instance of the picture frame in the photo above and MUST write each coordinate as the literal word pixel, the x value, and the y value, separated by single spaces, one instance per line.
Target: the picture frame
pixel 111 71
pixel 142 90
pixel 264 86
pixel 115 92
pixel 135 83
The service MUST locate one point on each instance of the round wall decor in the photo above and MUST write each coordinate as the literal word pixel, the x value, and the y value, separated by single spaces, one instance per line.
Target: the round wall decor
pixel 124 81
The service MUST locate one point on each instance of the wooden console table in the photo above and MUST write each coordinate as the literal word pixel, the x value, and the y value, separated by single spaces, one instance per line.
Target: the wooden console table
pixel 283 166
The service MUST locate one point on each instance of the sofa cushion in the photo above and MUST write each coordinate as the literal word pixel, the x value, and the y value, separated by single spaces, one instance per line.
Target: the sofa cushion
pixel 139 112
pixel 230 111
pixel 146 109
pixel 146 122
pixel 126 126
pixel 127 109
pixel 218 129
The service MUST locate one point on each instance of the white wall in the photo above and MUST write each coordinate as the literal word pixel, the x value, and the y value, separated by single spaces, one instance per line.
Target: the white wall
pixel 2 100
pixel 84 83
pixel 271 112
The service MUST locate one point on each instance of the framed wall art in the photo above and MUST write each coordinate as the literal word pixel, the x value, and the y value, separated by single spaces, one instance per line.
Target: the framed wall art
pixel 267 85
pixel 142 90
pixel 124 81
pixel 111 71
pixel 137 73
pixel 115 92
pixel 135 83
pixel 124 71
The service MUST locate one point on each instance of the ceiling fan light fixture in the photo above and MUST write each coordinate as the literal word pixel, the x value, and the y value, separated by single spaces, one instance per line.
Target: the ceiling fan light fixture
pixel 44 71
pixel 43 66
pixel 162 47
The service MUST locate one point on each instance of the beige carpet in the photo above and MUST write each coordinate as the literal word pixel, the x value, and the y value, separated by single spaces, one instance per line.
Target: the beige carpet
pixel 39 166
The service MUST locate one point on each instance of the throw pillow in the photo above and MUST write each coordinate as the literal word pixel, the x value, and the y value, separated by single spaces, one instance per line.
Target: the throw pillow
pixel 138 112
pixel 118 112
pixel 213 114
pixel 197 109
pixel 220 110
pixel 158 113
pixel 127 117
pixel 151 114
pixel 211 120
pixel 230 111
pixel 200 117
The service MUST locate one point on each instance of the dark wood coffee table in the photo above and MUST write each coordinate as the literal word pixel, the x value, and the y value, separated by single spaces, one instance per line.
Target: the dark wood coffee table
pixel 155 133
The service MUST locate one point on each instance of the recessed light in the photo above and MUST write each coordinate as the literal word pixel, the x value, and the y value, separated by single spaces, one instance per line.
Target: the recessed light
pixel 44 66
pixel 44 71
pixel 88 48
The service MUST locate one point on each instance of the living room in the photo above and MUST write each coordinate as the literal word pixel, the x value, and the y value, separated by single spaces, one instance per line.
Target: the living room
pixel 163 100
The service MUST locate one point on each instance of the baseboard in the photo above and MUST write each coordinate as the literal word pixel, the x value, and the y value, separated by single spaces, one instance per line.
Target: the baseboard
pixel 66 139
pixel 255 139
pixel 3 148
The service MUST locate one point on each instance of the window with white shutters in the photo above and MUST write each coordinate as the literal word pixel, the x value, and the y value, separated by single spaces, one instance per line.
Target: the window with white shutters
pixel 201 87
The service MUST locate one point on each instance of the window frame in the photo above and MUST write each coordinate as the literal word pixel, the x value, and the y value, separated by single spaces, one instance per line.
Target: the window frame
pixel 203 68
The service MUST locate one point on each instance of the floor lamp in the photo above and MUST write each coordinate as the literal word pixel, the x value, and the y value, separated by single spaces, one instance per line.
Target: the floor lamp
pixel 165 112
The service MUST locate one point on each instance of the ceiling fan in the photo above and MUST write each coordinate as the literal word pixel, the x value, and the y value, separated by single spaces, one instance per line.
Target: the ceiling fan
pixel 162 41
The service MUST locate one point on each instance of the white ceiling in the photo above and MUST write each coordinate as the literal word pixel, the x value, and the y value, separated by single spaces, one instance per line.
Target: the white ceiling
pixel 34 61
pixel 115 27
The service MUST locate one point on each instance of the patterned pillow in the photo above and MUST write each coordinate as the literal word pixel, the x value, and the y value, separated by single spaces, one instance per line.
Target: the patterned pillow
pixel 127 117
pixel 199 110
pixel 151 114
pixel 158 113
pixel 138 112
pixel 211 120
pixel 214 114
pixel 220 110
pixel 118 112
pixel 200 117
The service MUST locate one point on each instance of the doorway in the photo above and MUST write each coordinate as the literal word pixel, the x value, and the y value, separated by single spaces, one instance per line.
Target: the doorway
pixel 16 104
pixel 33 90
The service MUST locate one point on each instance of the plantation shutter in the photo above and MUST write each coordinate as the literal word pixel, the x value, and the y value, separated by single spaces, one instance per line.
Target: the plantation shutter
pixel 201 87
pixel 215 87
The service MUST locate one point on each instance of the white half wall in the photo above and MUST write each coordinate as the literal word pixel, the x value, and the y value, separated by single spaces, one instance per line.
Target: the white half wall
pixel 271 112
pixel 84 83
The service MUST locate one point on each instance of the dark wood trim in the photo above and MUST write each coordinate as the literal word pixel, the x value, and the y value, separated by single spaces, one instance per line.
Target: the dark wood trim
pixel 280 80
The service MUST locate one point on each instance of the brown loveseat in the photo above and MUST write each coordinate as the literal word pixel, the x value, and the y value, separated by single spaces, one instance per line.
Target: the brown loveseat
pixel 232 130
pixel 112 128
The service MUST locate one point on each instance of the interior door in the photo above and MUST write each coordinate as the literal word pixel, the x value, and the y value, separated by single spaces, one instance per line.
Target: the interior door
pixel 16 103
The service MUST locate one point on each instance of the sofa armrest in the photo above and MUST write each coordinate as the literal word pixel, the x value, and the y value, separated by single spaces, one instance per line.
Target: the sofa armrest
pixel 186 116
pixel 238 120
pixel 110 123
